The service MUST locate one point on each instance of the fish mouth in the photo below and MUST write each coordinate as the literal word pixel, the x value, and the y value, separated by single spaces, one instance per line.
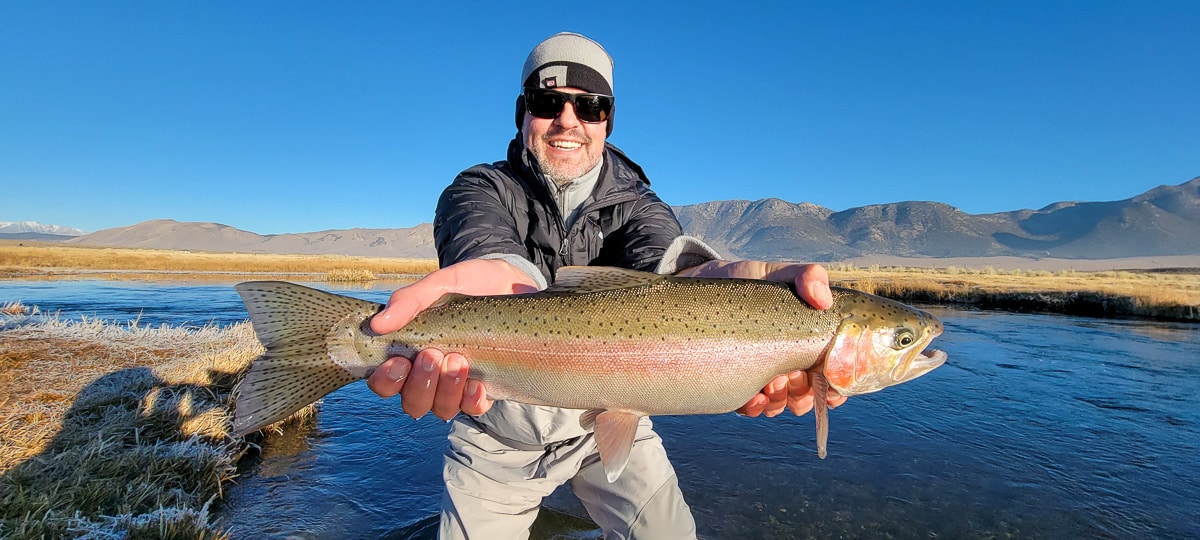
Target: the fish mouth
pixel 918 364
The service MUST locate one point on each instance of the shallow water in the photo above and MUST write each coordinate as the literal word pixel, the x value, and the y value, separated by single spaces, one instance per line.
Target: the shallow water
pixel 1038 426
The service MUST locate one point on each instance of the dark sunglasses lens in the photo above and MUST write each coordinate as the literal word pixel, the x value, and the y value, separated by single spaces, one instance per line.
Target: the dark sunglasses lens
pixel 592 107
pixel 543 104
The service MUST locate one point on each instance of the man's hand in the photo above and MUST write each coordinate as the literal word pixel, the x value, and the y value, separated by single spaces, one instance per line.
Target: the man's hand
pixel 791 391
pixel 436 381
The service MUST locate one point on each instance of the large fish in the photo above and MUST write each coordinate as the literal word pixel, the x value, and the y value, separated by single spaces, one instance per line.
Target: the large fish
pixel 618 343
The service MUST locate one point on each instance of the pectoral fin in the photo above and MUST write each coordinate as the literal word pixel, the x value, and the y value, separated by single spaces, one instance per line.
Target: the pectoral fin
pixel 615 431
pixel 820 390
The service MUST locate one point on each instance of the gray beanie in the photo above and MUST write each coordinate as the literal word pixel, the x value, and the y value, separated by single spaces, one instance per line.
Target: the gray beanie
pixel 569 59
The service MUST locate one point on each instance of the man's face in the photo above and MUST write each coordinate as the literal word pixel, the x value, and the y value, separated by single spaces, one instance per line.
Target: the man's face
pixel 564 146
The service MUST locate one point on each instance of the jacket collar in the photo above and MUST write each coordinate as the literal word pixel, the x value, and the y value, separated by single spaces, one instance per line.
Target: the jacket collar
pixel 619 173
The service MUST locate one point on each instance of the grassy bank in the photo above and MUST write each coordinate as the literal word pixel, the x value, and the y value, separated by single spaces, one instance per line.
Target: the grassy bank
pixel 24 259
pixel 1172 295
pixel 114 430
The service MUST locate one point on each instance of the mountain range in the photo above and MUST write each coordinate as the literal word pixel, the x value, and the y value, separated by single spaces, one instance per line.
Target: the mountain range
pixel 1164 221
pixel 32 230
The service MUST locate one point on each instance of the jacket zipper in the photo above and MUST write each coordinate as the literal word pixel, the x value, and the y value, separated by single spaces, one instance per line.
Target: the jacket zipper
pixel 611 200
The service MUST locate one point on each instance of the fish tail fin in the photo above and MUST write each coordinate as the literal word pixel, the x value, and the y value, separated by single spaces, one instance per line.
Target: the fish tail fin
pixel 294 323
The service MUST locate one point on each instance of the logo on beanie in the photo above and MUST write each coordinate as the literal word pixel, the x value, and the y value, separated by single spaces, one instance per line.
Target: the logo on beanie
pixel 553 76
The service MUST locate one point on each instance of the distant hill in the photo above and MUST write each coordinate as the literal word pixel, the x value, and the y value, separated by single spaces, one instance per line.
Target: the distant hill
pixel 1164 221
pixel 32 230
pixel 414 242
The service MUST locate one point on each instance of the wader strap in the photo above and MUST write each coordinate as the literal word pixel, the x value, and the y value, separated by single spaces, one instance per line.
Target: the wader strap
pixel 547 448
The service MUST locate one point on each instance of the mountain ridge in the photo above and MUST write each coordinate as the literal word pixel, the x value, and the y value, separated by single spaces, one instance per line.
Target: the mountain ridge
pixel 1163 221
pixel 13 228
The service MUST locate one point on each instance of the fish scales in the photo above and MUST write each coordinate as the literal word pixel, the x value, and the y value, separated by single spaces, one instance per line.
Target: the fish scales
pixel 617 343
pixel 669 347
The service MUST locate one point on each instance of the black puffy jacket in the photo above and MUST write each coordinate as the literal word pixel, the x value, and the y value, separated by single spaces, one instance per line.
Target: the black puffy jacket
pixel 506 208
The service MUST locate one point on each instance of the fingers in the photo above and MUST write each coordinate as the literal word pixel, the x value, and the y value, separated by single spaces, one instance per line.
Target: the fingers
pixel 812 280
pixel 421 387
pixel 475 401
pixel 771 401
pixel 755 406
pixel 800 398
pixel 777 396
pixel 406 302
pixel 835 399
pixel 476 277
pixel 452 379
pixel 812 285
pixel 434 382
pixel 792 391
pixel 389 377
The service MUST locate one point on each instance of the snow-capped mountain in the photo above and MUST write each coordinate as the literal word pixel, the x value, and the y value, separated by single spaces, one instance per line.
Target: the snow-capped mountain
pixel 24 227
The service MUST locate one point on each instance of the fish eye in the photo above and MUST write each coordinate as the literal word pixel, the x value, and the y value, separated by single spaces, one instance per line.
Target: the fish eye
pixel 905 338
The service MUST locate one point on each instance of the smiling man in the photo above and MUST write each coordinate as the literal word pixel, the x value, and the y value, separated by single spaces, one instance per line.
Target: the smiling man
pixel 564 196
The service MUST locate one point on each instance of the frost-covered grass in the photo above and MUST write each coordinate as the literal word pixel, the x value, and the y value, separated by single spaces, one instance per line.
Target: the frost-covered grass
pixel 116 430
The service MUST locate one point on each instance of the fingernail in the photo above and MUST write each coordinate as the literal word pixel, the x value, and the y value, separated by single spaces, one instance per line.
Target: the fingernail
pixel 398 371
pixel 777 386
pixel 821 294
pixel 453 364
pixel 472 389
pixel 428 364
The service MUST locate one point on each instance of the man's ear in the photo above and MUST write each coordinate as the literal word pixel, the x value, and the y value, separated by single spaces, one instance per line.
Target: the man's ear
pixel 521 112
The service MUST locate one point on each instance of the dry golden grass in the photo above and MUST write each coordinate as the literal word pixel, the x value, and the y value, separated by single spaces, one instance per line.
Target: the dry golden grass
pixel 1146 293
pixel 350 275
pixel 114 430
pixel 34 259
pixel 1164 295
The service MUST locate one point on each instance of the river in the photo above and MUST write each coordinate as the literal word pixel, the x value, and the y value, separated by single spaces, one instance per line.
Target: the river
pixel 1038 426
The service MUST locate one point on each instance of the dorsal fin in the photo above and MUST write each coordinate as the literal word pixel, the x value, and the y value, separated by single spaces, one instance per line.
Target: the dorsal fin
pixel 577 279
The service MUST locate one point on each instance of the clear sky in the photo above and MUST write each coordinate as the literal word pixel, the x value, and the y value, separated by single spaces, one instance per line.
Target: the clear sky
pixel 299 116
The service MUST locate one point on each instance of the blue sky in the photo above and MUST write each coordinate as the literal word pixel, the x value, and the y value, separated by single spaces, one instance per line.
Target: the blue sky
pixel 282 117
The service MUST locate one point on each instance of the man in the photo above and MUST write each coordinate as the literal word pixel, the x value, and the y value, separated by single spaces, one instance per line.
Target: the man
pixel 563 197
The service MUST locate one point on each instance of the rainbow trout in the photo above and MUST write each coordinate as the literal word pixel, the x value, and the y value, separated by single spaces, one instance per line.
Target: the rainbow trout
pixel 617 343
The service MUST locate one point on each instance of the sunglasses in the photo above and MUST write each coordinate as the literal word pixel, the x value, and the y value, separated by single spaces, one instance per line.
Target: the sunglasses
pixel 590 108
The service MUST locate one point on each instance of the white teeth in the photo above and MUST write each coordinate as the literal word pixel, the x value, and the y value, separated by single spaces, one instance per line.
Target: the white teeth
pixel 565 145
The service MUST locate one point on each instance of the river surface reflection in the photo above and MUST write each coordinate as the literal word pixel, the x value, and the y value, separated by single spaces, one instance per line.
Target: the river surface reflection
pixel 1038 426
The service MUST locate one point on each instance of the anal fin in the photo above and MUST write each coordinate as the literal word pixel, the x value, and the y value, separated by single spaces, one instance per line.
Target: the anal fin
pixel 615 431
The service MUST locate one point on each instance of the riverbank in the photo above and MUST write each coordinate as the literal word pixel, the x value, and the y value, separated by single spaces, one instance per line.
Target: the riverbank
pixel 114 430
pixel 32 260
pixel 1138 290
pixel 1168 294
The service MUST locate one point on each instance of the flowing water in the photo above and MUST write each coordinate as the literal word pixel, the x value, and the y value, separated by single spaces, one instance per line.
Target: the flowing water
pixel 1038 426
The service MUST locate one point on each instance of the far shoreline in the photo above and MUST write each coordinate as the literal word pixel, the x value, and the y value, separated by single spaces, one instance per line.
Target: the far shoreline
pixel 1158 288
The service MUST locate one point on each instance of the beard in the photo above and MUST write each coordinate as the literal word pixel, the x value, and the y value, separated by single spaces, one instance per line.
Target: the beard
pixel 561 172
